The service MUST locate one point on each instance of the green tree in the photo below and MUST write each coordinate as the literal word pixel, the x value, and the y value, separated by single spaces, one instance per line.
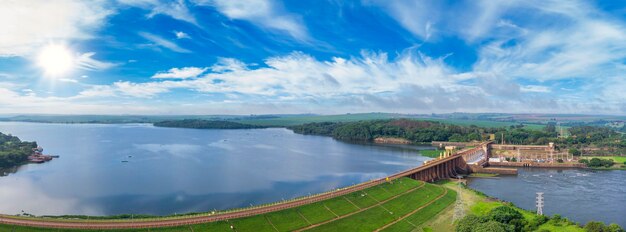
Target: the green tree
pixel 467 223
pixel 493 226
pixel 504 214
pixel 573 151
pixel 614 228
pixel 594 226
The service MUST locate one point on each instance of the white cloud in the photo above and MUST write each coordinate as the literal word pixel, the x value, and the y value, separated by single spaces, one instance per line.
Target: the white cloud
pixel 141 90
pixel 418 17
pixel 161 42
pixel 68 80
pixel 180 73
pixel 28 25
pixel 85 61
pixel 228 64
pixel 535 89
pixel 266 14
pixel 175 9
pixel 181 35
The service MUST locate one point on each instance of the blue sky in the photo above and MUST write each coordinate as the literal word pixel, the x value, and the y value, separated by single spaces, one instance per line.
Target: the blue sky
pixel 323 56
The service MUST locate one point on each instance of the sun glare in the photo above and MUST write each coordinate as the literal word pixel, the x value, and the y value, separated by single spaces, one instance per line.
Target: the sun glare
pixel 55 60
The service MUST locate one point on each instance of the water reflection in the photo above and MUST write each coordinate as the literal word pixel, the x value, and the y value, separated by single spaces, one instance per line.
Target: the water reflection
pixel 114 169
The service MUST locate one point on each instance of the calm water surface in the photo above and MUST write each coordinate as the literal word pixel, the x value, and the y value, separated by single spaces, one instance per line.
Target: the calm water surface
pixel 182 170
pixel 580 195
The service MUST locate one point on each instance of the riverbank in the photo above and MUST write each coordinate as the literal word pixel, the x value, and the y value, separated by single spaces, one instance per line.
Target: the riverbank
pixel 619 162
pixel 472 202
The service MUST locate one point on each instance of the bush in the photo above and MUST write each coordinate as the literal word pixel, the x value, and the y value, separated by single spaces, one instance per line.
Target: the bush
pixel 596 162
pixel 493 226
pixel 467 223
pixel 594 227
pixel 559 161
pixel 504 214
pixel 583 161
pixel 614 228
pixel 574 152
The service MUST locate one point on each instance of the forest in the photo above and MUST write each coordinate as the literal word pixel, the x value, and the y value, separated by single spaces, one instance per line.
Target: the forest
pixel 13 151
pixel 205 124
pixel 419 131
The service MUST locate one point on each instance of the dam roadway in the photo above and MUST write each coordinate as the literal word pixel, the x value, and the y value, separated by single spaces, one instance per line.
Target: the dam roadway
pixel 441 168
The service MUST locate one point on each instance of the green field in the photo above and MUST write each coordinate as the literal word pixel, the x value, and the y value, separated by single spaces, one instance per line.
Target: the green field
pixel 292 120
pixel 431 153
pixel 364 210
pixel 617 159
pixel 484 123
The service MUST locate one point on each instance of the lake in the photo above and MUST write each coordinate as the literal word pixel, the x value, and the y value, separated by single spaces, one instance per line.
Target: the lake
pixel 170 170
pixel 580 195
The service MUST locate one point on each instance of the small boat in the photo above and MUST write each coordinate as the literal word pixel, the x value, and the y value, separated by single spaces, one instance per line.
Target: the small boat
pixel 124 161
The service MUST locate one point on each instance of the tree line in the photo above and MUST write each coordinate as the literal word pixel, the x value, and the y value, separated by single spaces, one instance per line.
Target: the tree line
pixel 508 219
pixel 205 124
pixel 426 131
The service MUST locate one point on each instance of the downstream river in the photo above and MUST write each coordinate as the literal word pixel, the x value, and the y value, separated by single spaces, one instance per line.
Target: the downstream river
pixel 141 169
pixel 580 195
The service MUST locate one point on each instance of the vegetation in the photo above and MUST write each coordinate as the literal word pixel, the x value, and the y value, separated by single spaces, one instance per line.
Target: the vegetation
pixel 412 130
pixel 598 163
pixel 13 151
pixel 369 210
pixel 204 124
pixel 431 153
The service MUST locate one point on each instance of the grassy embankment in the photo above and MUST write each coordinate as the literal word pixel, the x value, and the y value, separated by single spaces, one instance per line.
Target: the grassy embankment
pixel 478 204
pixel 365 210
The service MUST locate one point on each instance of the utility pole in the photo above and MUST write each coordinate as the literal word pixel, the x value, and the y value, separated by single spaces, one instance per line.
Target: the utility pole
pixel 539 203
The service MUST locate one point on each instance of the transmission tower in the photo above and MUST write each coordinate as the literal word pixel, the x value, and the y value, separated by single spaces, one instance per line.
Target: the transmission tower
pixel 539 203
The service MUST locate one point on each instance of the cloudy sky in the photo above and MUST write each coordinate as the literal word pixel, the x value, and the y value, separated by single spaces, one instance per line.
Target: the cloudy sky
pixel 271 56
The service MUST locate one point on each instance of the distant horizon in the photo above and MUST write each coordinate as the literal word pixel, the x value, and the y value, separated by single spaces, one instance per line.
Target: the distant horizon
pixel 316 114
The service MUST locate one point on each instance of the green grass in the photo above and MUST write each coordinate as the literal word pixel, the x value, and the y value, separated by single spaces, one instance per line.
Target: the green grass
pixel 316 212
pixel 485 123
pixel 617 159
pixel 379 216
pixel 340 206
pixel 256 223
pixel 287 220
pixel 560 228
pixel 424 214
pixel 431 153
pixel 483 175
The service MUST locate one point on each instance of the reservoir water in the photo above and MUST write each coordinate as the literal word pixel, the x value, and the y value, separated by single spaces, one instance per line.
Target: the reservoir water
pixel 580 195
pixel 170 170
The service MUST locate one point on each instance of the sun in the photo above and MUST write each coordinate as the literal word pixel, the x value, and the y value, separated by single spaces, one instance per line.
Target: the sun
pixel 55 60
